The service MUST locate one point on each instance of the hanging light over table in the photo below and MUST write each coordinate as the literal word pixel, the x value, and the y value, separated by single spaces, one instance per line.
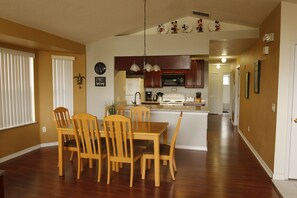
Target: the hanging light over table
pixel 146 65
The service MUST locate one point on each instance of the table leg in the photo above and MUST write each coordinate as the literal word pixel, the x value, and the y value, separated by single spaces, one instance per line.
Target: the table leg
pixel 60 153
pixel 157 160
pixel 165 139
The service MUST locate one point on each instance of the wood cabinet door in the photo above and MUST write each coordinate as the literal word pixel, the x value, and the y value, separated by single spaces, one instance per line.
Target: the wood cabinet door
pixel 194 77
pixel 198 72
pixel 152 79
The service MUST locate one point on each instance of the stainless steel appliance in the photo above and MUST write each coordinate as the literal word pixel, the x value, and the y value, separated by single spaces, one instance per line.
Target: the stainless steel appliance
pixel 173 99
pixel 173 80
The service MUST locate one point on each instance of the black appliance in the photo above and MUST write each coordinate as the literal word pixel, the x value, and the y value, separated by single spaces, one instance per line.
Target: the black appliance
pixel 148 96
pixel 157 96
pixel 173 80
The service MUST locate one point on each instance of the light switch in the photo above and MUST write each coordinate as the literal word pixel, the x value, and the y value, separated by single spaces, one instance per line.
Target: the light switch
pixel 273 107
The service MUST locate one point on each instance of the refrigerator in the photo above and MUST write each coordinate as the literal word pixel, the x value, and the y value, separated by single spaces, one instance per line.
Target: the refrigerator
pixel 134 85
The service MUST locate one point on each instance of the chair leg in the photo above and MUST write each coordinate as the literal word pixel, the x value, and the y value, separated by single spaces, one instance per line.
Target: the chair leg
pixel 174 165
pixel 131 174
pixel 99 169
pixel 71 155
pixel 78 167
pixel 108 171
pixel 149 162
pixel 90 163
pixel 143 167
pixel 171 169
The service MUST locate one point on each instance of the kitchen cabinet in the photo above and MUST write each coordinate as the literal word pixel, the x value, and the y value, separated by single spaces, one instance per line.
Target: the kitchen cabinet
pixel 194 77
pixel 152 79
pixel 165 62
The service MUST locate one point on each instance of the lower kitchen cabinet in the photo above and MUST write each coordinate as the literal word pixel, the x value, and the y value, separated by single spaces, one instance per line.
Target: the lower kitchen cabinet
pixel 152 79
pixel 194 77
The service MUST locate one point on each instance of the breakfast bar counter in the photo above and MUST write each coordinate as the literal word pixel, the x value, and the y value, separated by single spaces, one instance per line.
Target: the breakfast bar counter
pixel 193 128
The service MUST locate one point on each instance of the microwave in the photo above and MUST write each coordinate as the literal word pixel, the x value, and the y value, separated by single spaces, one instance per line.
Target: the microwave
pixel 173 80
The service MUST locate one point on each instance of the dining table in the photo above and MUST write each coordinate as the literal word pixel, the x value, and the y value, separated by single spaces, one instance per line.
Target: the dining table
pixel 141 131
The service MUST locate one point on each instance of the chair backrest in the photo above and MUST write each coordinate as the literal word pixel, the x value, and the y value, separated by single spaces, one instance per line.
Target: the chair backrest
pixel 120 110
pixel 140 114
pixel 87 135
pixel 173 140
pixel 62 117
pixel 119 138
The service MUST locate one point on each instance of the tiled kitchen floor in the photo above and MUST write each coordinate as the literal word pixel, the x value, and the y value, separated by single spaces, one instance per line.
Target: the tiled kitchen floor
pixel 288 189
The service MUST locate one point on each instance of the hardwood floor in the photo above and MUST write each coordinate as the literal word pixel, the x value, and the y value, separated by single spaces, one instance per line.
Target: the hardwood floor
pixel 227 169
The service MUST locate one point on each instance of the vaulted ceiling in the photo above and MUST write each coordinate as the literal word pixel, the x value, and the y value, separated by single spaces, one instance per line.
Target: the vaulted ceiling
pixel 88 21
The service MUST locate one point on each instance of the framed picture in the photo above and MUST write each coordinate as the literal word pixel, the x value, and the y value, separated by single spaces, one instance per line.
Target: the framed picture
pixel 247 85
pixel 257 71
pixel 100 81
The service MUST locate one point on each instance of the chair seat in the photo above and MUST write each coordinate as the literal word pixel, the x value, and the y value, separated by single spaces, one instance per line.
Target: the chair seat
pixel 70 143
pixel 141 143
pixel 164 149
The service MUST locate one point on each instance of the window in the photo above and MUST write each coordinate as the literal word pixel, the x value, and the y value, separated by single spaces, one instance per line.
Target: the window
pixel 226 79
pixel 62 67
pixel 17 104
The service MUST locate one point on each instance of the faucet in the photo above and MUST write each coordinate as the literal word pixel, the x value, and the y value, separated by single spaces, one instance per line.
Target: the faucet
pixel 134 102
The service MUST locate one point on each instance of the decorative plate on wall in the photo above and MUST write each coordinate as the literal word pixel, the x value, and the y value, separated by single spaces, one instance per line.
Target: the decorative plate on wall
pixel 162 29
pixel 186 28
pixel 100 68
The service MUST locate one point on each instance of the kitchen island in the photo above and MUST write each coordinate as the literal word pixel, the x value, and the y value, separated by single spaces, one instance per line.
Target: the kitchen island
pixel 193 129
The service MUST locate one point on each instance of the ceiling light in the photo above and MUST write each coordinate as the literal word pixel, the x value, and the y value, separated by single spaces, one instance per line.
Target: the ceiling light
pixel 146 66
pixel 156 68
pixel 218 66
pixel 223 60
pixel 134 68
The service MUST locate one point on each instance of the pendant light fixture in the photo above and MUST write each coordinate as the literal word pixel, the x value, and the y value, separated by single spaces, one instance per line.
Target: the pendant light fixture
pixel 146 65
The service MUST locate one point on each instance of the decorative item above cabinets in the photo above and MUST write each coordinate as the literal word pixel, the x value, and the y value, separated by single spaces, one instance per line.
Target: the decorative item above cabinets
pixel 165 62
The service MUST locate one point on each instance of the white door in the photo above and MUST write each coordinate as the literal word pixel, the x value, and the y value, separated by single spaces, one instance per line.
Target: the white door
pixel 213 93
pixel 293 145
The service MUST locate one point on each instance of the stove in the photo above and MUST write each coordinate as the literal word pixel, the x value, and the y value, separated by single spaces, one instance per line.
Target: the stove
pixel 173 99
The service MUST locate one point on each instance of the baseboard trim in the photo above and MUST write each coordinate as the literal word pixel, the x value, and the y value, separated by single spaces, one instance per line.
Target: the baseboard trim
pixel 27 150
pixel 197 148
pixel 19 153
pixel 262 162
pixel 48 144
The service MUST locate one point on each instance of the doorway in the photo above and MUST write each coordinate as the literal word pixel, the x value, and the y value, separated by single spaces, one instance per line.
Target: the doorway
pixel 226 93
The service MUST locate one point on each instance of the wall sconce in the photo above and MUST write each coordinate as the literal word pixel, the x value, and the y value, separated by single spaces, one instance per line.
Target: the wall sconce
pixel 268 37
pixel 79 80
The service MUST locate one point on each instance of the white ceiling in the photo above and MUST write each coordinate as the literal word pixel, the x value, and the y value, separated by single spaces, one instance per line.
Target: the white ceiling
pixel 86 21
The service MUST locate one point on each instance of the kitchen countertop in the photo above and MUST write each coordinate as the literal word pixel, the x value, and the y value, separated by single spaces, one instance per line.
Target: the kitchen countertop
pixel 198 109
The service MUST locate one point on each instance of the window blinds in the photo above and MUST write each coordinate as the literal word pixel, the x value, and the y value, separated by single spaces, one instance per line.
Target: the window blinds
pixel 17 104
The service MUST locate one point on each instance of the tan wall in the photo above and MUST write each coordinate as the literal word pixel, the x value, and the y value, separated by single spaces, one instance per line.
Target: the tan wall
pixel 12 36
pixel 256 112
pixel 46 92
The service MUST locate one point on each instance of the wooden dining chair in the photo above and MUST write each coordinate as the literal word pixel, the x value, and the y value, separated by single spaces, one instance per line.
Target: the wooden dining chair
pixel 62 120
pixel 140 114
pixel 119 143
pixel 167 152
pixel 87 136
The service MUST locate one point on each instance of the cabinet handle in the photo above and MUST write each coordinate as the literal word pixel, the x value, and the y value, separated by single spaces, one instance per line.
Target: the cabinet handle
pixel 295 120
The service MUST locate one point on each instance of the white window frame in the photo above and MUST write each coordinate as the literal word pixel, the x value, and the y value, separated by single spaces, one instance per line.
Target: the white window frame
pixel 17 99
pixel 62 69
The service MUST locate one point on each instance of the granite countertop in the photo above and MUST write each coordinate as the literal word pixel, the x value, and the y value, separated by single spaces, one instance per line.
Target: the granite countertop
pixel 173 108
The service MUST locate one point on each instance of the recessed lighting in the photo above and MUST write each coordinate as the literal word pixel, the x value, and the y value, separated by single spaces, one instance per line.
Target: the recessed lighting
pixel 223 60
pixel 218 66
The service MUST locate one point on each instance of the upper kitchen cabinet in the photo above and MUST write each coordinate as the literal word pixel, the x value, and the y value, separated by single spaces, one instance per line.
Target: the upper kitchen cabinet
pixel 165 62
pixel 194 77
pixel 152 79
